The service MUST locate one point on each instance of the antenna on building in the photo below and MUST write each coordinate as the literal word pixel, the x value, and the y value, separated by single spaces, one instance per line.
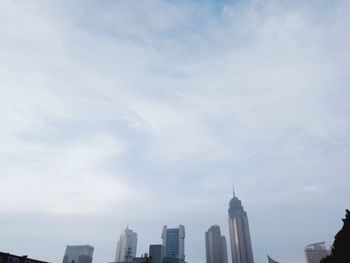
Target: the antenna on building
pixel 233 191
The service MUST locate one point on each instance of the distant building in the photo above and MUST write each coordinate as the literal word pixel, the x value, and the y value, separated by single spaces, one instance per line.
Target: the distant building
pixel 143 259
pixel 126 246
pixel 9 258
pixel 156 253
pixel 241 245
pixel 315 252
pixel 174 244
pixel 78 254
pixel 270 260
pixel 215 246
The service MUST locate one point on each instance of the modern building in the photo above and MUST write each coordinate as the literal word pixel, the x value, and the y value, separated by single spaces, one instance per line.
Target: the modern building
pixel 126 246
pixel 9 258
pixel 174 243
pixel 78 254
pixel 315 252
pixel 156 253
pixel 215 246
pixel 270 260
pixel 241 245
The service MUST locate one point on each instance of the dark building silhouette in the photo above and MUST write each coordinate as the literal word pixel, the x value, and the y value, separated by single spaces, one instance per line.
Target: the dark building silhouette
pixel 9 258
pixel 156 253
pixel 340 251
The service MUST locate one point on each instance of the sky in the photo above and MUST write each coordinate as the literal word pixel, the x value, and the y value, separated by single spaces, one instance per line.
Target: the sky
pixel 147 112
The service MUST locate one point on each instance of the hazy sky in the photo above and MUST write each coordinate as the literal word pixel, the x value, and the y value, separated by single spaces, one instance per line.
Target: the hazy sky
pixel 145 113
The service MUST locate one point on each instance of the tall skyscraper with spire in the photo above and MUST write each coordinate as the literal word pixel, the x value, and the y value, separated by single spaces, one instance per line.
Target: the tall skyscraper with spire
pixel 126 246
pixel 241 245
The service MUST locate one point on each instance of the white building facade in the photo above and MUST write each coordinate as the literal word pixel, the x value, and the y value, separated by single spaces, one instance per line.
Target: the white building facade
pixel 315 252
pixel 126 246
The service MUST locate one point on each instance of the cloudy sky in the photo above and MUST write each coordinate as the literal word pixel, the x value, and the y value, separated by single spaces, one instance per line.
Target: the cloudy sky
pixel 145 113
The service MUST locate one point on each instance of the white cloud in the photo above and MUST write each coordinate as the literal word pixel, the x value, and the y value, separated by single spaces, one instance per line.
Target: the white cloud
pixel 160 105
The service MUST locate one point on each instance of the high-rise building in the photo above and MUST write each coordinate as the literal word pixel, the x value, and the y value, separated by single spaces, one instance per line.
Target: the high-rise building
pixel 78 254
pixel 126 246
pixel 215 246
pixel 174 243
pixel 315 252
pixel 156 253
pixel 241 245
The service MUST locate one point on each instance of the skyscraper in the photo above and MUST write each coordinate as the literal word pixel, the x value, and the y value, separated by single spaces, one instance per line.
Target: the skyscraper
pixel 215 246
pixel 78 254
pixel 174 242
pixel 241 245
pixel 126 246
pixel 315 252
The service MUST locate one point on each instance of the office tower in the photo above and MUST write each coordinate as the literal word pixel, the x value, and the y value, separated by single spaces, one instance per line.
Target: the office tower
pixel 270 260
pixel 156 253
pixel 78 254
pixel 215 246
pixel 174 243
pixel 315 252
pixel 126 246
pixel 241 245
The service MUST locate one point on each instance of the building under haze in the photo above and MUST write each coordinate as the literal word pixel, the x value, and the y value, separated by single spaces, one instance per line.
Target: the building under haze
pixel 156 253
pixel 215 246
pixel 126 246
pixel 78 254
pixel 174 244
pixel 241 245
pixel 270 260
pixel 315 252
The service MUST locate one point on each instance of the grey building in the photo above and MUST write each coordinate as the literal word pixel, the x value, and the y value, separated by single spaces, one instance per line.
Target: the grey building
pixel 270 260
pixel 174 243
pixel 156 253
pixel 241 245
pixel 143 259
pixel 78 254
pixel 215 246
pixel 315 252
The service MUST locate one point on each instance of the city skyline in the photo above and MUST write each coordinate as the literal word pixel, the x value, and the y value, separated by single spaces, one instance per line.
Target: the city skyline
pixel 145 112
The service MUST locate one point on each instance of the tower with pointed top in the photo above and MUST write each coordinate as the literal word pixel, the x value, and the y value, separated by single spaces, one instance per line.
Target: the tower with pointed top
pixel 241 245
pixel 126 246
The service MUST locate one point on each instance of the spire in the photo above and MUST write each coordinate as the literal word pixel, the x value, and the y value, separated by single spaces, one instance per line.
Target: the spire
pixel 233 191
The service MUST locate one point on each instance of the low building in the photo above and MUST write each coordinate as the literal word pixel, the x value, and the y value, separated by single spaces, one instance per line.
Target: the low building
pixel 9 258
pixel 156 253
